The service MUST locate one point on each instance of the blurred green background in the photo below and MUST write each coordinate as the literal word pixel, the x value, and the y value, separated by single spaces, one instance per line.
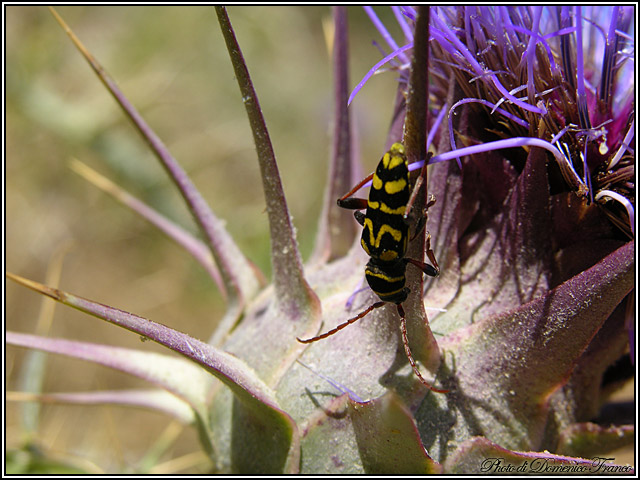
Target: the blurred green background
pixel 172 64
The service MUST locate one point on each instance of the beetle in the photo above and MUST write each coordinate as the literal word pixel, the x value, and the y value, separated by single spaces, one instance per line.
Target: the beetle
pixel 385 238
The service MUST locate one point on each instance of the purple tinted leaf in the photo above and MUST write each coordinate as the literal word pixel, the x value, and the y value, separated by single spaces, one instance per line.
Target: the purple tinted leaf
pixel 526 354
pixel 181 378
pixel 292 291
pixel 175 375
pixel 159 400
pixel 238 274
pixel 184 380
pixel 295 310
pixel 232 371
pixel 195 247
pixel 581 398
pixel 256 398
pixel 562 323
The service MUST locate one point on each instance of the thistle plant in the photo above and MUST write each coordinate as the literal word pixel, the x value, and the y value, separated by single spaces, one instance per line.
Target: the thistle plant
pixel 525 116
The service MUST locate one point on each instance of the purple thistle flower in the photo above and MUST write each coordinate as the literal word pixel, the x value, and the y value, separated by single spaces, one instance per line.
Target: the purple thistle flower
pixel 587 155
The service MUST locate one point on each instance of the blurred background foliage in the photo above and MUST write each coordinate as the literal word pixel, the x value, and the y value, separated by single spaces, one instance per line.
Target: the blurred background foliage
pixel 172 64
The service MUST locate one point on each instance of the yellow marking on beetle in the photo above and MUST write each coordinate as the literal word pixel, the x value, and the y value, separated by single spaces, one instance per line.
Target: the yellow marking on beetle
pixel 385 160
pixel 364 247
pixel 396 234
pixel 376 182
pixel 388 294
pixel 388 255
pixel 393 211
pixel 397 149
pixel 386 278
pixel 395 186
pixel 393 162
pixel 383 207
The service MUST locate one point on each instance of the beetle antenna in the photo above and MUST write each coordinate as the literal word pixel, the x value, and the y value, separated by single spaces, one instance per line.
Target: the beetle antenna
pixel 407 351
pixel 342 325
